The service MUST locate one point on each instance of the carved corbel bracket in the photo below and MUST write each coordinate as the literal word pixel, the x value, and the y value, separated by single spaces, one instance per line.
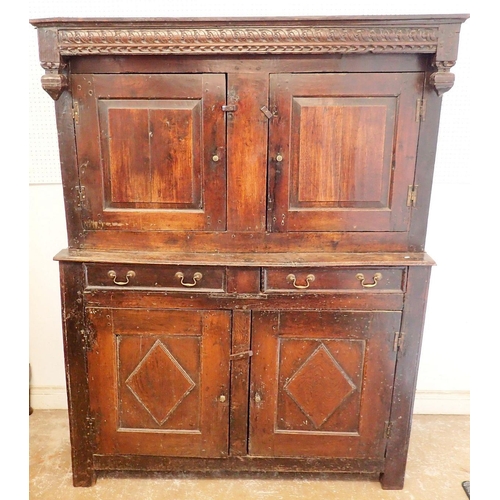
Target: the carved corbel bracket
pixel 55 81
pixel 442 79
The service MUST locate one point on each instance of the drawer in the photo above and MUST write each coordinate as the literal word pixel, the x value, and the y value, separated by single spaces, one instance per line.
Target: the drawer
pixel 307 280
pixel 182 278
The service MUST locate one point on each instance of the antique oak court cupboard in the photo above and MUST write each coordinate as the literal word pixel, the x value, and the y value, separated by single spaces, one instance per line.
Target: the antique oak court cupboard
pixel 246 200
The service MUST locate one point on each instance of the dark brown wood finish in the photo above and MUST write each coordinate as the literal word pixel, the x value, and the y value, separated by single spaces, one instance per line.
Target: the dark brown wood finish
pixel 246 202
pixel 405 380
pixel 76 336
pixel 162 381
pixel 342 151
pixel 320 382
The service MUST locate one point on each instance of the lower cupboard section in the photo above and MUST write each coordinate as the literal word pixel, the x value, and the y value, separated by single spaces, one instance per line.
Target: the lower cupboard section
pixel 303 389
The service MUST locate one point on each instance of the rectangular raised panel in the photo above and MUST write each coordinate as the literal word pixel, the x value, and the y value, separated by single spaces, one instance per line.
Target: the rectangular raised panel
pixel 342 153
pixel 158 376
pixel 145 147
pixel 321 383
pixel 161 166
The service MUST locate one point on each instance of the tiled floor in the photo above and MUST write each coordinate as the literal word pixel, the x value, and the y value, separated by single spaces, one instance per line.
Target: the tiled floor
pixel 438 463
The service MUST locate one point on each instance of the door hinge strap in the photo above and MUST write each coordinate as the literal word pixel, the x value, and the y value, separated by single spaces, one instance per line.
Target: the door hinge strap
pixel 240 355
pixel 398 341
pixel 411 199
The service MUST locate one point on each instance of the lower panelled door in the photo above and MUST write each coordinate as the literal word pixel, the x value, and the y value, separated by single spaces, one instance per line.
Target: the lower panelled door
pixel 321 383
pixel 159 381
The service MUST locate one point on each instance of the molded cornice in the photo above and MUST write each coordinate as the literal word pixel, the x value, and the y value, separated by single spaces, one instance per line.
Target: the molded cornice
pixel 60 39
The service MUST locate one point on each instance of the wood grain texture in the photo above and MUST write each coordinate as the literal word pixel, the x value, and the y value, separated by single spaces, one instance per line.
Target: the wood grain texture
pixel 245 283
pixel 349 144
pixel 323 389
pixel 158 377
pixel 75 335
pixel 247 155
pixel 405 380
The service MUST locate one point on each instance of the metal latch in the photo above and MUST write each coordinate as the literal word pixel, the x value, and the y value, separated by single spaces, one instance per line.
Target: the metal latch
pixel 266 111
pixel 240 355
pixel 229 108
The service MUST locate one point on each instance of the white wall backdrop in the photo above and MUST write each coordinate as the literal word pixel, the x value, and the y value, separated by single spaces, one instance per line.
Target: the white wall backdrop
pixel 453 310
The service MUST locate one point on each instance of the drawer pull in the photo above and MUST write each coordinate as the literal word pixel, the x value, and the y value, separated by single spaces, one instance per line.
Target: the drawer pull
pixel 309 279
pixel 196 277
pixel 376 278
pixel 130 274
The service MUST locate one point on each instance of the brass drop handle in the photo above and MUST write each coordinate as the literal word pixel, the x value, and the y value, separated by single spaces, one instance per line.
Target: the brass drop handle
pixel 130 274
pixel 376 278
pixel 196 277
pixel 309 279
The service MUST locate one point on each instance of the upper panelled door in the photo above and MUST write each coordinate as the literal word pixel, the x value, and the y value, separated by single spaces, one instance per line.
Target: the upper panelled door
pixel 342 151
pixel 151 151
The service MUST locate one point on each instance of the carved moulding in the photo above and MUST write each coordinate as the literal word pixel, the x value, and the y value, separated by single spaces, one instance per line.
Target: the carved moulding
pixel 154 38
pixel 246 39
pixel 442 79
pixel 54 82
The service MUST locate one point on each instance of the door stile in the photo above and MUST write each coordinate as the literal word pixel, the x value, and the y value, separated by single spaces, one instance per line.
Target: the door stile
pixel 240 372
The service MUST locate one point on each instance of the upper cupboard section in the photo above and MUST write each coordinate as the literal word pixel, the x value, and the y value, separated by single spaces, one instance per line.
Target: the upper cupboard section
pixel 248 134
pixel 309 153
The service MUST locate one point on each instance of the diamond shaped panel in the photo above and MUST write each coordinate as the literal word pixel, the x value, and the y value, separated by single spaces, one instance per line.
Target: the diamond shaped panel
pixel 319 386
pixel 159 382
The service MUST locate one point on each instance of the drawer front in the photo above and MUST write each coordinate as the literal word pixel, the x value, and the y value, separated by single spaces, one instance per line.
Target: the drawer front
pixel 314 280
pixel 182 278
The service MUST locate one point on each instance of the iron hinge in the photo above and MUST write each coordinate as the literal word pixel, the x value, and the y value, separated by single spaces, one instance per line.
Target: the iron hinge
pixel 411 199
pixel 388 429
pixel 80 191
pixel 421 110
pixel 398 341
pixel 76 112
pixel 92 424
pixel 89 338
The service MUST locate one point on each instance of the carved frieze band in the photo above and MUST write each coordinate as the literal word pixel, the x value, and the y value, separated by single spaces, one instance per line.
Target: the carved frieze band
pixel 247 39
pixel 243 39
